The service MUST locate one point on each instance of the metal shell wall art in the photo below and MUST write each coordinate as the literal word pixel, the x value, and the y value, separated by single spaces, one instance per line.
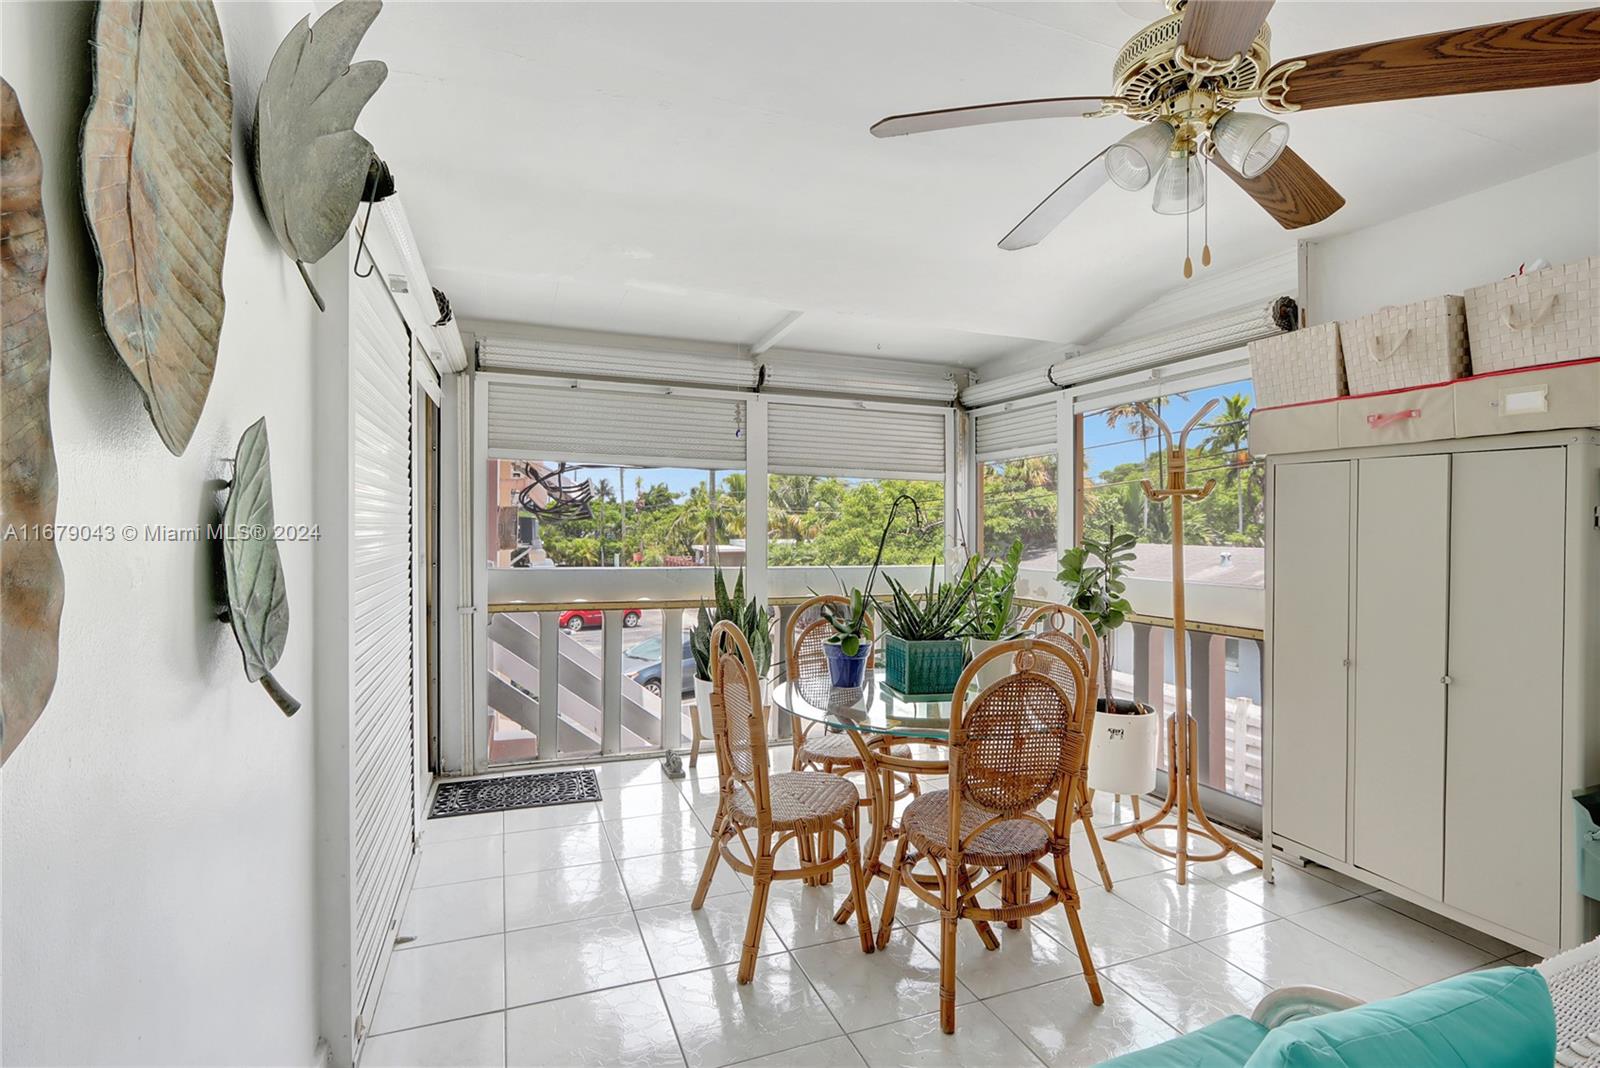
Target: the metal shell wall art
pixel 30 570
pixel 158 190
pixel 311 166
pixel 258 603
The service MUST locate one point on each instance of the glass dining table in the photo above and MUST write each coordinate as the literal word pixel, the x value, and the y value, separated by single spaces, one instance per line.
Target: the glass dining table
pixel 881 722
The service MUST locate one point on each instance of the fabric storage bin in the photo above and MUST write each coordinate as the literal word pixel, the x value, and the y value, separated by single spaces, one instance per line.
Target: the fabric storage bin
pixel 1406 345
pixel 1554 397
pixel 1542 317
pixel 1397 416
pixel 1296 428
pixel 1302 365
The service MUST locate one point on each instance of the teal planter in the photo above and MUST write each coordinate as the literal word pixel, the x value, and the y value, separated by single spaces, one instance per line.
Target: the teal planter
pixel 923 667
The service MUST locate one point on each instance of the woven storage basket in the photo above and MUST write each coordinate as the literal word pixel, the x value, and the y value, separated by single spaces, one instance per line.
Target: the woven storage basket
pixel 1302 365
pixel 1406 345
pixel 1548 316
pixel 923 667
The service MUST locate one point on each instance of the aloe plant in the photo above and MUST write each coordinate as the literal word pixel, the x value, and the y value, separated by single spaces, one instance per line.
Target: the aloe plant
pixel 749 616
pixel 940 613
pixel 993 614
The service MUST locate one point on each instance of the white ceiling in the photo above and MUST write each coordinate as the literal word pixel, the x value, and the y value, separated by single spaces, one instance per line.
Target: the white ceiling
pixel 702 170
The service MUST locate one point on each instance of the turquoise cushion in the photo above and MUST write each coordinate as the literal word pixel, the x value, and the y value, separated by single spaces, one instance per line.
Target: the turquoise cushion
pixel 1488 1019
pixel 1227 1043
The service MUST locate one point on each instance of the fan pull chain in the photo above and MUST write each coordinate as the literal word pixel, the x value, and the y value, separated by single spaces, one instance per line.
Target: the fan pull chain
pixel 1188 263
pixel 1205 250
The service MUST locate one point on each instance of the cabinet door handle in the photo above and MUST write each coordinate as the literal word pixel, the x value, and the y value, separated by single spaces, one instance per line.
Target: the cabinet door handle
pixel 1445 679
pixel 1347 661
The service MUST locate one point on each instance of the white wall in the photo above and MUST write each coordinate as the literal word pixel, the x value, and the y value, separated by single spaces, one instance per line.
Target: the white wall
pixel 156 826
pixel 1450 247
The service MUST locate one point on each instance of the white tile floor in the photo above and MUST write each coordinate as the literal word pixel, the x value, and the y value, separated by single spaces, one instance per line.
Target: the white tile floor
pixel 563 936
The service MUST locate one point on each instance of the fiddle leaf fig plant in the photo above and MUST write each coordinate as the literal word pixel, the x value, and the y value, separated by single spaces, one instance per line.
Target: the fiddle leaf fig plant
pixel 1094 574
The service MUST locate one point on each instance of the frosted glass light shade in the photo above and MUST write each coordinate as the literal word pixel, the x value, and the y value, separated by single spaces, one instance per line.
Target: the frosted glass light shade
pixel 1249 143
pixel 1174 195
pixel 1135 159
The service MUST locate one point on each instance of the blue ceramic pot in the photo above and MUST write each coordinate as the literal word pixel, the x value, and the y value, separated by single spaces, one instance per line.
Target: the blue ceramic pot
pixel 846 671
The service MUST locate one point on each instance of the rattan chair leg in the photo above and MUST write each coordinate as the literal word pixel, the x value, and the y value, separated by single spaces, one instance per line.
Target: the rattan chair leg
pixel 1011 893
pixel 758 912
pixel 825 849
pixel 696 737
pixel 712 856
pixel 1064 879
pixel 806 844
pixel 947 974
pixel 891 896
pixel 985 931
pixel 858 884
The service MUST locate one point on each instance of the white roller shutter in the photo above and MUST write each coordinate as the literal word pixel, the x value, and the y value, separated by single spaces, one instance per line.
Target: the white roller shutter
pixel 1019 428
pixel 532 421
pixel 381 668
pixel 856 442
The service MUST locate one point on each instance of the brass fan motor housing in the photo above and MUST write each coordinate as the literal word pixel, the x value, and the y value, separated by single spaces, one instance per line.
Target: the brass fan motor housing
pixel 1151 72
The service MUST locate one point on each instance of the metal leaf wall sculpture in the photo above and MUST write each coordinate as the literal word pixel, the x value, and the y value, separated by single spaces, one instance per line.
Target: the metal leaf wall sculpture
pixel 158 189
pixel 30 571
pixel 258 603
pixel 311 166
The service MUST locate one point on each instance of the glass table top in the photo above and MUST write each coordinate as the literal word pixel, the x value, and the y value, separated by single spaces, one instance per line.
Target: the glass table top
pixel 873 707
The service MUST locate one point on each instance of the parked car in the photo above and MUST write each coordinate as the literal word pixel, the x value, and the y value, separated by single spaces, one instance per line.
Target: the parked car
pixel 575 619
pixel 649 676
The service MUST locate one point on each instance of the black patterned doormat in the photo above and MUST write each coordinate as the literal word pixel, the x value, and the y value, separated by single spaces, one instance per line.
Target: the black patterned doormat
pixel 514 791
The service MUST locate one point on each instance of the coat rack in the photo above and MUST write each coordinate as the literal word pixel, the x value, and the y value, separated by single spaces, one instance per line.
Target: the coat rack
pixel 1182 802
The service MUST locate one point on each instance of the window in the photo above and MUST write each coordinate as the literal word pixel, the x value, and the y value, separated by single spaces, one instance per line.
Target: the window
pixel 1223 533
pixel 545 513
pixel 817 520
pixel 1020 500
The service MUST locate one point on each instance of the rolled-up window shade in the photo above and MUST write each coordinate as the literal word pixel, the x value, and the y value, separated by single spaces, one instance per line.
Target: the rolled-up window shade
pixel 1019 428
pixel 542 422
pixel 806 439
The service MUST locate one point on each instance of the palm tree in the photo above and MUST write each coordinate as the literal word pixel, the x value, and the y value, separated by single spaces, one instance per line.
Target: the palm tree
pixel 1229 435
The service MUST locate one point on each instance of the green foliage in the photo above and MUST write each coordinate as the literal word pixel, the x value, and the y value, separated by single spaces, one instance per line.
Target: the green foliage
pixel 814 521
pixel 1021 497
pixel 749 616
pixel 850 626
pixel 993 613
pixel 1093 574
pixel 937 614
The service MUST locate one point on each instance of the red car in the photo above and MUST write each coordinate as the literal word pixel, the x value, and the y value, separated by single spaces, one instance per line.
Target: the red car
pixel 575 619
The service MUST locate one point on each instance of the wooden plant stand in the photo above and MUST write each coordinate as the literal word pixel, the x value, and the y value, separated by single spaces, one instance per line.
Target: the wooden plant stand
pixel 1181 811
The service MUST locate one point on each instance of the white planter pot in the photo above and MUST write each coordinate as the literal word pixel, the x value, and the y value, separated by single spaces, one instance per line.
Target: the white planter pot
pixel 994 670
pixel 702 704
pixel 1122 753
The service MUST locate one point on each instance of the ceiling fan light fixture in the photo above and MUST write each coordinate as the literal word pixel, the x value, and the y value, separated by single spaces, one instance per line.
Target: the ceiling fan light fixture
pixel 1135 159
pixel 1181 186
pixel 1249 143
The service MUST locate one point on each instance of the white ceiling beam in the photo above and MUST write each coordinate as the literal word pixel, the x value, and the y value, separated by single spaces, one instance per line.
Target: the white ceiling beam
pixel 776 334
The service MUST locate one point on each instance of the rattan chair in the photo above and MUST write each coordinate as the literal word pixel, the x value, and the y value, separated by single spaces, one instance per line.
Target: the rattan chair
pixel 1017 743
pixel 1083 645
pixel 759 811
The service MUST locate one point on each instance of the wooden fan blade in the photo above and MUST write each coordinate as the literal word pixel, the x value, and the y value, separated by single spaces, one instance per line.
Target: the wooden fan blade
pixel 1221 29
pixel 1038 223
pixel 1059 107
pixel 1527 54
pixel 1290 190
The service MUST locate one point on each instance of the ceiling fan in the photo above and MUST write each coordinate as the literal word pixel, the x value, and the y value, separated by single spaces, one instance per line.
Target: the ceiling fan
pixel 1183 76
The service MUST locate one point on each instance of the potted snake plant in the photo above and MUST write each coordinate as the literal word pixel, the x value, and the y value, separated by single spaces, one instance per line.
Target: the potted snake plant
pixel 750 617
pixel 993 615
pixel 1123 748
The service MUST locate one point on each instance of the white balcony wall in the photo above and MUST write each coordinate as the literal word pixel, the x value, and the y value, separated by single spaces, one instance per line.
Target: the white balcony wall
pixel 157 823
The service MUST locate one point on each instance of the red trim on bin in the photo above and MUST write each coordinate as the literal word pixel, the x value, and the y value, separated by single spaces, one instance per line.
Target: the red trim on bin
pixel 1434 385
